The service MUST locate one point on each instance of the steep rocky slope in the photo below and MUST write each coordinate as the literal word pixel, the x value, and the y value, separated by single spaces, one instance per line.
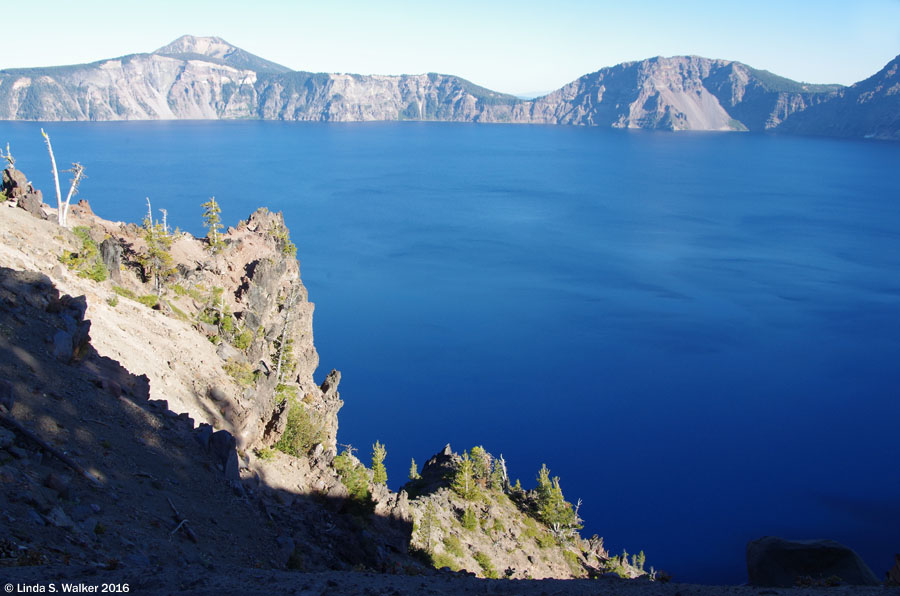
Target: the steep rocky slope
pixel 870 109
pixel 205 358
pixel 207 78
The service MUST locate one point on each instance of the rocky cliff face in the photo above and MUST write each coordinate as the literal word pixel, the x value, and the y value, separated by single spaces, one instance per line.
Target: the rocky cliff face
pixel 207 78
pixel 870 109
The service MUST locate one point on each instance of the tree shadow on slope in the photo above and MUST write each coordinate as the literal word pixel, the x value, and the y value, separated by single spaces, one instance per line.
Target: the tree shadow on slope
pixel 93 473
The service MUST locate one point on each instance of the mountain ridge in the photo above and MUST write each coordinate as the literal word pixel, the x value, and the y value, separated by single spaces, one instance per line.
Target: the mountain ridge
pixel 208 78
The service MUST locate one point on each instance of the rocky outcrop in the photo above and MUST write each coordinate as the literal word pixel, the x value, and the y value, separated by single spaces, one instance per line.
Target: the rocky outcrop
pixel 773 561
pixel 208 78
pixel 16 187
pixel 893 575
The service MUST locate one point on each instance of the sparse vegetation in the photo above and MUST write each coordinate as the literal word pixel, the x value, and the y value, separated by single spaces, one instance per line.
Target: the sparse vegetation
pixel 282 237
pixel 487 566
pixel 265 453
pixel 452 545
pixel 125 293
pixel 302 433
pixel 240 371
pixel 148 300
pixel 469 520
pixel 86 262
pixel 425 527
pixel 442 560
pixel 414 470
pixel 353 476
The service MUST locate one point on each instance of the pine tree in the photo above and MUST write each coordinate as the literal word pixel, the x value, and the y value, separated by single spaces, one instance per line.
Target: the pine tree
pixel 157 262
pixel 469 519
pixel 379 472
pixel 414 470
pixel 553 509
pixel 213 223
pixel 464 479
pixel 481 464
pixel 425 528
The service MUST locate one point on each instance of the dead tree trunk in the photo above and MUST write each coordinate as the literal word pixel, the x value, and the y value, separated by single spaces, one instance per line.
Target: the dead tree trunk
pixel 62 208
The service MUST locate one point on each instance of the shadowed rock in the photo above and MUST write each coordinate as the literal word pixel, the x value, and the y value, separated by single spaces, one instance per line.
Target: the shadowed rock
pixel 773 561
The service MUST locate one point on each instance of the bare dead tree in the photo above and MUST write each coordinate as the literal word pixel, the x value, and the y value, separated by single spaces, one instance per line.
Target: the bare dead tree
pixel 62 209
pixel 78 175
pixel 289 302
pixel 10 160
pixel 165 214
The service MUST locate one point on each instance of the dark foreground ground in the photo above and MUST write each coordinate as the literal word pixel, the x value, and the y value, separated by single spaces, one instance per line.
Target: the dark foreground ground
pixel 222 581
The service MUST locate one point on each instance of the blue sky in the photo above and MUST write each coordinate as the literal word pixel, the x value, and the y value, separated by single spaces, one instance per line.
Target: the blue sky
pixel 515 47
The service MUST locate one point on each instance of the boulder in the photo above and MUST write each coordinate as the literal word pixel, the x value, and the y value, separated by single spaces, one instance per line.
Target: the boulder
pixel 111 253
pixel 32 202
pixel 776 562
pixel 893 576
pixel 14 183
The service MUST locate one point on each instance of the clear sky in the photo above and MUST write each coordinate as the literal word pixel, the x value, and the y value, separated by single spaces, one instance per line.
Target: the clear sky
pixel 515 47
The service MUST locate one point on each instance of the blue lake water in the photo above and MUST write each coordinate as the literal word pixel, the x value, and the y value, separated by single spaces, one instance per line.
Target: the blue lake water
pixel 699 333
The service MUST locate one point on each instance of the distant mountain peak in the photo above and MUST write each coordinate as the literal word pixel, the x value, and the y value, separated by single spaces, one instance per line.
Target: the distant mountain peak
pixel 214 47
pixel 220 50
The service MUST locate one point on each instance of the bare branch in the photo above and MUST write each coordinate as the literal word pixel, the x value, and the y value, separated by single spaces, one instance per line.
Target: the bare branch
pixel 55 172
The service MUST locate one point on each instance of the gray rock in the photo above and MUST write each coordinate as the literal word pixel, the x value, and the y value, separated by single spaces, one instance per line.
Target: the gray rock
pixel 222 446
pixel 202 434
pixel 6 394
pixel 35 518
pixel 111 253
pixel 7 438
pixel 286 546
pixel 62 347
pixel 14 183
pixel 57 517
pixel 226 351
pixel 32 202
pixel 776 562
pixel 58 483
pixel 81 512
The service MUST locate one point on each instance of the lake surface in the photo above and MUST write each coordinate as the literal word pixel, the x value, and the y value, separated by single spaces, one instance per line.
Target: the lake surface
pixel 699 333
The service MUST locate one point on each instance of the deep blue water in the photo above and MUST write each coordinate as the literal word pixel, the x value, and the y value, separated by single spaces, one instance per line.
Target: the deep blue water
pixel 700 333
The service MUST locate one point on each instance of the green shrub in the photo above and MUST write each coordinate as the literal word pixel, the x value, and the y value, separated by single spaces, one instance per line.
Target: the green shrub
pixel 545 540
pixel 441 560
pixel 87 262
pixel 243 340
pixel 178 312
pixel 353 476
pixel 487 567
pixel 113 301
pixel 301 433
pixel 573 563
pixel 265 453
pixel 124 292
pixel 241 372
pixel 452 545
pixel 149 300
